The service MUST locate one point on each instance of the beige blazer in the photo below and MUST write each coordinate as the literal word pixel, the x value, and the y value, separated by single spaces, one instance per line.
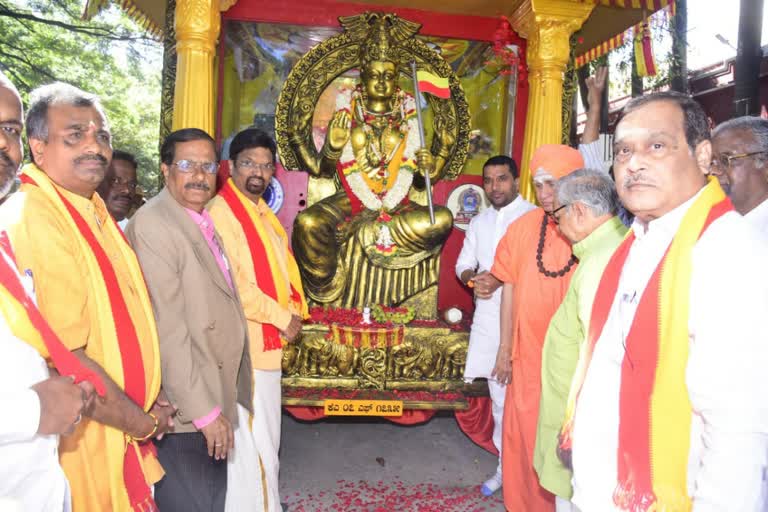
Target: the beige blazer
pixel 203 333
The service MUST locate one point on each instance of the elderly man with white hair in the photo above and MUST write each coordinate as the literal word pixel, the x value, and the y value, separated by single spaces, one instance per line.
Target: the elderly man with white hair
pixel 585 210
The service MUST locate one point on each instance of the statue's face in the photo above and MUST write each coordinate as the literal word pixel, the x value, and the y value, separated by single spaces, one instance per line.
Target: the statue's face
pixel 380 80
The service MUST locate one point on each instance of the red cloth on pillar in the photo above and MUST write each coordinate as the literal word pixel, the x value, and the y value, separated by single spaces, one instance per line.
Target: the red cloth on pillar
pixel 477 422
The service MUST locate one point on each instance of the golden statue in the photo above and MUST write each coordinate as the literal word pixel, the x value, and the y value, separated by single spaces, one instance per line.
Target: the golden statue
pixel 371 242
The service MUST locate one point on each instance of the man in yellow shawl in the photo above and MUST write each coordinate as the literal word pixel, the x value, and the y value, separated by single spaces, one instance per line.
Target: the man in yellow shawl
pixel 90 289
pixel 667 408
pixel 268 279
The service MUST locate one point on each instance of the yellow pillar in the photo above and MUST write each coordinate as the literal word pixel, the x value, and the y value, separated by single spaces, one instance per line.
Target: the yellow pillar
pixel 547 25
pixel 197 29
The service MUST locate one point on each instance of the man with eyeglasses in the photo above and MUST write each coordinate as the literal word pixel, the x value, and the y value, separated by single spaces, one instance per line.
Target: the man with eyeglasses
pixel 201 327
pixel 740 162
pixel 585 209
pixel 270 287
pixel 119 186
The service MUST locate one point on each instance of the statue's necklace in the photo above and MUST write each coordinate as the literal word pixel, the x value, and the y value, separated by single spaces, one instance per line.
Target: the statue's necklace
pixel 540 250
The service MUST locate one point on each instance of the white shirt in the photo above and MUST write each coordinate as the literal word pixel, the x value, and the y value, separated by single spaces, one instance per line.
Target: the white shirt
pixel 122 224
pixel 480 241
pixel 592 153
pixel 758 217
pixel 31 478
pixel 725 372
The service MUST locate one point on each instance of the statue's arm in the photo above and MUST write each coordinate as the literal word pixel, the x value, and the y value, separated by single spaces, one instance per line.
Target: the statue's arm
pixel 308 159
pixel 323 165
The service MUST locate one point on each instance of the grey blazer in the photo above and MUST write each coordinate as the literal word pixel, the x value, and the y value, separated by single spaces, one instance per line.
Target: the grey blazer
pixel 204 348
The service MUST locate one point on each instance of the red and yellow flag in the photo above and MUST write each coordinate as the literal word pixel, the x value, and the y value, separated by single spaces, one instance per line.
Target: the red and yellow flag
pixel 433 84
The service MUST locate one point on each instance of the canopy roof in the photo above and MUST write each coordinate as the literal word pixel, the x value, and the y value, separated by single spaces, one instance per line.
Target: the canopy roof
pixel 602 31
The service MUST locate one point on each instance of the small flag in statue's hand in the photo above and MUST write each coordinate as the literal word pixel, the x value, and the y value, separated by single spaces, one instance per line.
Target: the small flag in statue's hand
pixel 433 84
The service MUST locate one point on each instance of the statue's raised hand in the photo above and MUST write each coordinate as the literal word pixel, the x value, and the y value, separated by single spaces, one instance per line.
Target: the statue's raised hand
pixel 338 130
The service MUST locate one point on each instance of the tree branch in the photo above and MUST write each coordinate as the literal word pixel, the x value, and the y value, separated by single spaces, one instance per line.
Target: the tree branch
pixel 82 29
pixel 32 66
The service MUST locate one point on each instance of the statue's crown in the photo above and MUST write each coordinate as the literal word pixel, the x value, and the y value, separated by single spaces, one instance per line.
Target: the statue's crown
pixel 379 45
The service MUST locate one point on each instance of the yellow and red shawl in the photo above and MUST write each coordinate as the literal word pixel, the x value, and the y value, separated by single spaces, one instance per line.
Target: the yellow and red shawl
pixel 130 465
pixel 654 407
pixel 269 278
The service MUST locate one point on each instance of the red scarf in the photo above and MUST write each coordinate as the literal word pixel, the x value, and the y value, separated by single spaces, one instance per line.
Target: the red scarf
pixel 640 486
pixel 261 268
pixel 66 362
pixel 136 486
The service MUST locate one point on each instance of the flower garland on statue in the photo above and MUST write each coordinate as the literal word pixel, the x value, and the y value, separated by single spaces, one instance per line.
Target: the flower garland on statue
pixel 401 118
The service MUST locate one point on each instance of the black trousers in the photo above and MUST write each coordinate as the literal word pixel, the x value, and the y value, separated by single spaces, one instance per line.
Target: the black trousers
pixel 193 482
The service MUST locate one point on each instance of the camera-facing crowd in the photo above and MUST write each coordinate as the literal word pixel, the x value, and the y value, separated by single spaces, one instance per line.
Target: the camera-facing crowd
pixel 618 323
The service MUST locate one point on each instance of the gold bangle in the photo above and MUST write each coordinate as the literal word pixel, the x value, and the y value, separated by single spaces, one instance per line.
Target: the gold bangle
pixel 151 433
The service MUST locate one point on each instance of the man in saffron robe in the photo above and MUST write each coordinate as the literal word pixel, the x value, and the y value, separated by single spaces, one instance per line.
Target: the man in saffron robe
pixel 669 410
pixel 585 212
pixel 535 264
pixel 268 279
pixel 90 289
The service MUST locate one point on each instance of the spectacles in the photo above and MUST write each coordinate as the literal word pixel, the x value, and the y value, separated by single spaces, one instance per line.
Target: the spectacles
pixel 724 162
pixel 555 218
pixel 130 184
pixel 250 164
pixel 188 166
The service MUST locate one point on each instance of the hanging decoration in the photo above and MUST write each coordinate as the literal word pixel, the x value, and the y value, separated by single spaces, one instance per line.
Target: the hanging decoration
pixel 506 51
pixel 646 63
pixel 618 40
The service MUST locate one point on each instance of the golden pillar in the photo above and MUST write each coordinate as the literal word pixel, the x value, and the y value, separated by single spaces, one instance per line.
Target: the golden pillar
pixel 547 25
pixel 197 30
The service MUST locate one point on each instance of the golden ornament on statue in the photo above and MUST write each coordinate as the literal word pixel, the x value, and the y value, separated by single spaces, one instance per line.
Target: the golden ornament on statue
pixel 371 241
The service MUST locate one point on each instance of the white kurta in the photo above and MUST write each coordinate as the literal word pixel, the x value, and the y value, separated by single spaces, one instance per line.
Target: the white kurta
pixel 758 217
pixel 592 153
pixel 480 241
pixel 30 476
pixel 725 373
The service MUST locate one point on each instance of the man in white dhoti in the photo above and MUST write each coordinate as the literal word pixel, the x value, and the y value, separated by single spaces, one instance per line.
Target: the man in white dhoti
pixel 268 279
pixel 500 179
pixel 668 409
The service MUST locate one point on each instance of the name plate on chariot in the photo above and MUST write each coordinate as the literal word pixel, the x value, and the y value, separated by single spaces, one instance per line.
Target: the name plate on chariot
pixel 336 407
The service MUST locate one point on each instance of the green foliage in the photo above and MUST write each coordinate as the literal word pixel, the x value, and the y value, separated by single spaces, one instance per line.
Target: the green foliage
pixel 43 41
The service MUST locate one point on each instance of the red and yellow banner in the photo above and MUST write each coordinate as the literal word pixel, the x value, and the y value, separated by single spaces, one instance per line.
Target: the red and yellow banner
pixel 618 40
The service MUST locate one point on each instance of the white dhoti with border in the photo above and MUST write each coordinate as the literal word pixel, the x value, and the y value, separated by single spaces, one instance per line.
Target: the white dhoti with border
pixel 253 467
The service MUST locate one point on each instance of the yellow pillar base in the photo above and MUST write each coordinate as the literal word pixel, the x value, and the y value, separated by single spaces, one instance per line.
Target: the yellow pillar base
pixel 197 29
pixel 547 25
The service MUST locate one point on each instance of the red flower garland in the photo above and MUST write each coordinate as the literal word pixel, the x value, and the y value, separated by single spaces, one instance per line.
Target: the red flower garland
pixel 503 40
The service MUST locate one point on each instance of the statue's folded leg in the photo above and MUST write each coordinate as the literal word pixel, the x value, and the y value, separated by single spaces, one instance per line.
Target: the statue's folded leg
pixel 413 232
pixel 316 246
